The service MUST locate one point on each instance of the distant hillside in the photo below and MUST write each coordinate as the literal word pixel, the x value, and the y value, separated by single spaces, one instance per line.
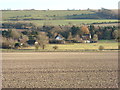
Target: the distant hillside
pixel 99 14
pixel 40 14
pixel 18 15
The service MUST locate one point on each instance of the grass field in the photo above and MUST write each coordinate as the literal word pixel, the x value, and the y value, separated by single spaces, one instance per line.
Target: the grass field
pixel 60 70
pixel 41 14
pixel 70 22
pixel 81 46
pixel 51 17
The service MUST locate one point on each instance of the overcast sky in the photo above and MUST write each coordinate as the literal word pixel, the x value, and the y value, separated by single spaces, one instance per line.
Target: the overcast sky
pixel 58 4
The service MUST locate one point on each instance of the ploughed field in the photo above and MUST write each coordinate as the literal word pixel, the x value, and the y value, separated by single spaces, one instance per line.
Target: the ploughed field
pixel 60 70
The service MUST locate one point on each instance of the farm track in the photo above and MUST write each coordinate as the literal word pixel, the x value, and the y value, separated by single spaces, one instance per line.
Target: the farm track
pixel 60 70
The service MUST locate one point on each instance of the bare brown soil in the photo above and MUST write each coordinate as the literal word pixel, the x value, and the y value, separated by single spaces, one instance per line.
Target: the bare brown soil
pixel 60 70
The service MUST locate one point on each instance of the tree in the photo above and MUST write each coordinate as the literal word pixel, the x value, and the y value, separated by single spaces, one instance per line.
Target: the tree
pixel 15 34
pixel 24 39
pixel 8 43
pixel 36 45
pixel 85 30
pixel 42 39
pixel 56 29
pixel 107 34
pixel 6 33
pixel 17 45
pixel 92 30
pixel 95 37
pixel 116 35
pixel 74 30
pixel 70 36
pixel 78 39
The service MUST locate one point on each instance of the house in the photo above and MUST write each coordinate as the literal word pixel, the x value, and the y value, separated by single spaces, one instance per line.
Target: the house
pixel 58 39
pixel 86 38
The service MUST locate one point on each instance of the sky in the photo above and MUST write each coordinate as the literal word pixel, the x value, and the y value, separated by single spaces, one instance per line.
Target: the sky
pixel 58 4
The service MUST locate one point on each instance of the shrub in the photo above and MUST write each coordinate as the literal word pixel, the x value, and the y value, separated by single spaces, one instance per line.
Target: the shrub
pixel 17 45
pixel 8 43
pixel 101 47
pixel 118 46
pixel 5 45
pixel 25 45
pixel 36 45
pixel 55 47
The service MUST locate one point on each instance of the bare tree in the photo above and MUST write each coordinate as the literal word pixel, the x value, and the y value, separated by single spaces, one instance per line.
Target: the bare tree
pixel 95 37
pixel 15 34
pixel 70 36
pixel 36 45
pixel 24 39
pixel 116 35
pixel 78 39
pixel 42 39
pixel 8 42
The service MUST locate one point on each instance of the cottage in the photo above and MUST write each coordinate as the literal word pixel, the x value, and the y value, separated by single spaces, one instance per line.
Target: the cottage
pixel 58 37
pixel 86 38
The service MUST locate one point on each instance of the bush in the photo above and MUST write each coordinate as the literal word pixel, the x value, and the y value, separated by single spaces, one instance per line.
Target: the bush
pixel 7 43
pixel 55 47
pixel 17 45
pixel 25 45
pixel 119 47
pixel 101 47
pixel 36 45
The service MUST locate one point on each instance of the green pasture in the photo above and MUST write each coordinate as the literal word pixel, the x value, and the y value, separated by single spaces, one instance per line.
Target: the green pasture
pixel 50 17
pixel 66 22
pixel 70 22
pixel 41 14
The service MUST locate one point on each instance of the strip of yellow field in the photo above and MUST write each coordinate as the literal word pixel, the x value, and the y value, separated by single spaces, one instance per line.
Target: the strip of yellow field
pixel 80 46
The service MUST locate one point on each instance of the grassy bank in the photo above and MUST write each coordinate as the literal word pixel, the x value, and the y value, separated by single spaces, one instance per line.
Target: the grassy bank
pixel 108 45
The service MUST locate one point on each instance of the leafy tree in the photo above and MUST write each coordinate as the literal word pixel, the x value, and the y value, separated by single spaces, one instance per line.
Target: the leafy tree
pixel 34 33
pixel 74 30
pixel 106 34
pixel 6 33
pixel 92 30
pixel 17 45
pixel 25 32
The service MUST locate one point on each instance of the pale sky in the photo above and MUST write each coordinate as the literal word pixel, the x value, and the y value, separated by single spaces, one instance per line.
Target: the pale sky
pixel 58 4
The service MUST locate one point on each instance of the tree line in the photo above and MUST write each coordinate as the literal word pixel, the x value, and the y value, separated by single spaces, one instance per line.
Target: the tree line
pixel 43 34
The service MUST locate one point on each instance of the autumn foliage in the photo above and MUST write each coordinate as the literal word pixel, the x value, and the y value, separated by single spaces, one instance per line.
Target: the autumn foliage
pixel 85 30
